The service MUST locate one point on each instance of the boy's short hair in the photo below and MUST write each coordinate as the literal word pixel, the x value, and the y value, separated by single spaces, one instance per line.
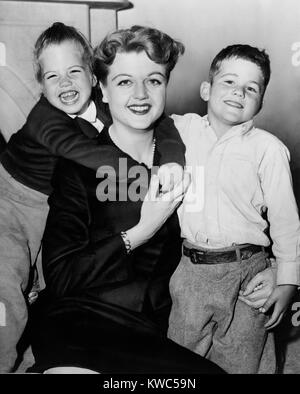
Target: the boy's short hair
pixel 56 34
pixel 160 48
pixel 246 52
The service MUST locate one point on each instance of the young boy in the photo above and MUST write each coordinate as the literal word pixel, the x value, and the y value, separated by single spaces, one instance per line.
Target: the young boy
pixel 65 122
pixel 241 171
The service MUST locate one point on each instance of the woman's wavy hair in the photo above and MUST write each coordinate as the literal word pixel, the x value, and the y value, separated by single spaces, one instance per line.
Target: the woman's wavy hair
pixel 159 47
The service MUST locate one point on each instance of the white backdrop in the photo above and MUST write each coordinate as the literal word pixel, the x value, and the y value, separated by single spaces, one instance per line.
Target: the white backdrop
pixel 205 27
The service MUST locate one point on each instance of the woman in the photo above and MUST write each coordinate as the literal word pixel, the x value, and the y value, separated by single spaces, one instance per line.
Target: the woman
pixel 107 255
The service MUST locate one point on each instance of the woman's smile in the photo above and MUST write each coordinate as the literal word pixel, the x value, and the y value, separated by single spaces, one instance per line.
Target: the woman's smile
pixel 139 109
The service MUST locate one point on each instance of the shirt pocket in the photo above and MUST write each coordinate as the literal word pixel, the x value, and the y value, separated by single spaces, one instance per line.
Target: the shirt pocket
pixel 238 177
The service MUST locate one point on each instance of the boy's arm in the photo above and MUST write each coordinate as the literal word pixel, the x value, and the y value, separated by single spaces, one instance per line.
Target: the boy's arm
pixel 172 134
pixel 276 183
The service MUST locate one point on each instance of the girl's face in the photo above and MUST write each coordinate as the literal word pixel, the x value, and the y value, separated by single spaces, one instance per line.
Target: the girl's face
pixel 66 81
pixel 135 90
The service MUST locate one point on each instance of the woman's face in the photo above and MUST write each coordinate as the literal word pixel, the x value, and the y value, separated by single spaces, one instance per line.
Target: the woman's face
pixel 135 90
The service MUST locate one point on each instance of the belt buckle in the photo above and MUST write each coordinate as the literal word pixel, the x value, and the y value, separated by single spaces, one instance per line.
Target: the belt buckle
pixel 193 256
pixel 196 255
pixel 245 255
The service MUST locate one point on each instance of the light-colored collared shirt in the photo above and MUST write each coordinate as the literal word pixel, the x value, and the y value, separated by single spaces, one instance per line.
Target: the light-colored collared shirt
pixel 234 179
pixel 90 114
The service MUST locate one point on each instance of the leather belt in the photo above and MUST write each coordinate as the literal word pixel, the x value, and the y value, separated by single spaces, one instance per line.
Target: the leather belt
pixel 241 252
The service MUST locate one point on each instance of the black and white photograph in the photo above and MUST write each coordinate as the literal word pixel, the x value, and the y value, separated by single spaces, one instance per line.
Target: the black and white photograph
pixel 149 190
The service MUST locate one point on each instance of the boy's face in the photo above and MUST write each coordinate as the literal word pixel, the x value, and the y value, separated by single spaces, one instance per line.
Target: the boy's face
pixel 66 81
pixel 236 93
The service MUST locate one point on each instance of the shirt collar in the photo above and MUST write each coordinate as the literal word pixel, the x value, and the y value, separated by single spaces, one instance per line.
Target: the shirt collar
pixel 239 129
pixel 90 114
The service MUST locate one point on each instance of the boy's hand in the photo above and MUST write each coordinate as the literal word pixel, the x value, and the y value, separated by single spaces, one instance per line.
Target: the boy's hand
pixel 169 175
pixel 281 297
pixel 259 289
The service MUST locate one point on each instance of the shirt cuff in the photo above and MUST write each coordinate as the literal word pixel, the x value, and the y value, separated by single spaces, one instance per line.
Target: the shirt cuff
pixel 288 273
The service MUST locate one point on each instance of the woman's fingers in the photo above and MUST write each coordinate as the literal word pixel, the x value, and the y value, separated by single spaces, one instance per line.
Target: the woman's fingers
pixel 254 282
pixel 256 304
pixel 173 196
pixel 153 190
pixel 178 192
pixel 263 293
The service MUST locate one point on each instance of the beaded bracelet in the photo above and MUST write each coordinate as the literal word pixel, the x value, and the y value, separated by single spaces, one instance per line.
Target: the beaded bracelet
pixel 126 242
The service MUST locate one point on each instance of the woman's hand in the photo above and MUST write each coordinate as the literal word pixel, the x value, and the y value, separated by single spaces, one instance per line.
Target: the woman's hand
pixel 170 175
pixel 156 209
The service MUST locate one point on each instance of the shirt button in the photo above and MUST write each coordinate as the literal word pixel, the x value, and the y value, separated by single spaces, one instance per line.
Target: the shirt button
pixel 201 238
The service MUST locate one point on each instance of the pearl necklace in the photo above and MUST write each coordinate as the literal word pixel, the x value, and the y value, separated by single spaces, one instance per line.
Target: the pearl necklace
pixel 148 159
pixel 150 156
pixel 153 152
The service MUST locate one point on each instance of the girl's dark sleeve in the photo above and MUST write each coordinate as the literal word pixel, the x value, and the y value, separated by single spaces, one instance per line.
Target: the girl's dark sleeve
pixel 64 137
pixel 169 143
pixel 71 261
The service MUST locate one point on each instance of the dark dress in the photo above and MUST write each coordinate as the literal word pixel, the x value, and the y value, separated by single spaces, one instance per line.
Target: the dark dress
pixel 102 308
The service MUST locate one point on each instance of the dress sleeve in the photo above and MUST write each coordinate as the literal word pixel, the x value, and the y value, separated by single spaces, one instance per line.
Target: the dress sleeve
pixel 72 262
pixel 169 142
